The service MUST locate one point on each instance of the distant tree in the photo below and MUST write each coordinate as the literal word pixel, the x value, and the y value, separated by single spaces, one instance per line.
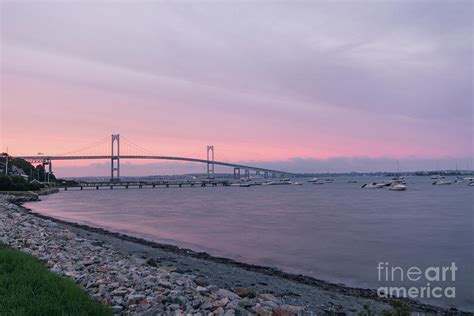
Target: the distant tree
pixel 15 183
pixel 31 171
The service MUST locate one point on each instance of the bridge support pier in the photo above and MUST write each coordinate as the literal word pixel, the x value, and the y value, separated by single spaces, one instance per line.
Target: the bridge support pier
pixel 247 174
pixel 265 175
pixel 115 159
pixel 47 174
pixel 236 173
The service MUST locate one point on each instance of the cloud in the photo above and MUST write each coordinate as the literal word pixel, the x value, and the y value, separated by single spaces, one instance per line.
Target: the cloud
pixel 265 80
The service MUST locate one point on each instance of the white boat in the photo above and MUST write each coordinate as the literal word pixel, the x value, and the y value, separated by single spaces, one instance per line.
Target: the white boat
pixel 329 180
pixel 318 182
pixel 268 183
pixel 373 185
pixel 398 187
pixel 393 181
pixel 436 177
pixel 442 182
pixel 296 183
pixel 313 180
pixel 242 184
pixel 471 184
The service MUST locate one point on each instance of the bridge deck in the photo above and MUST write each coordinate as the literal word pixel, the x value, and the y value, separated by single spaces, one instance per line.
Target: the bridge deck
pixel 186 159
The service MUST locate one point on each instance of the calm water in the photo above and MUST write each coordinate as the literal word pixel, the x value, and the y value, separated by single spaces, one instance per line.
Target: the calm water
pixel 336 232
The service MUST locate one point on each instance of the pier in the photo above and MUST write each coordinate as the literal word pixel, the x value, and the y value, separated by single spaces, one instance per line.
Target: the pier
pixel 147 184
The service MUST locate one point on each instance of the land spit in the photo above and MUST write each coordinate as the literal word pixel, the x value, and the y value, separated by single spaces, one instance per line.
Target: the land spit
pixel 137 276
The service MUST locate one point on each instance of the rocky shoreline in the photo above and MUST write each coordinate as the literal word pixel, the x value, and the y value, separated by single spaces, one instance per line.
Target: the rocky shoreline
pixel 137 276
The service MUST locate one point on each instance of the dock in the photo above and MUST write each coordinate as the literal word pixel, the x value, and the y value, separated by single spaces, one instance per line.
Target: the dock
pixel 148 184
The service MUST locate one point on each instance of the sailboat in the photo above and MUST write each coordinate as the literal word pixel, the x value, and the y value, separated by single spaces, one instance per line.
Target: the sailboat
pixel 398 182
pixel 437 176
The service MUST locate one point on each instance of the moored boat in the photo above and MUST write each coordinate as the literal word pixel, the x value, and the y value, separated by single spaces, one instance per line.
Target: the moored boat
pixel 373 185
pixel 398 187
pixel 442 182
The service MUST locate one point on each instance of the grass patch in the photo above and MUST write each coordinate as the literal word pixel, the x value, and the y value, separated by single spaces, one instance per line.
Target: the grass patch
pixel 28 288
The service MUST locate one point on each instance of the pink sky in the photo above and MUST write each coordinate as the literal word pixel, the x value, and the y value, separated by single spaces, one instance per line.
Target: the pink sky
pixel 270 85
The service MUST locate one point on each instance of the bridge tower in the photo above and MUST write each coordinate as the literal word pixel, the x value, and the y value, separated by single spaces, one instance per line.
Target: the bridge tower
pixel 115 159
pixel 210 161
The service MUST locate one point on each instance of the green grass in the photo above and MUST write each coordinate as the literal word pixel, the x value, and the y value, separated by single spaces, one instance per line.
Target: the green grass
pixel 28 288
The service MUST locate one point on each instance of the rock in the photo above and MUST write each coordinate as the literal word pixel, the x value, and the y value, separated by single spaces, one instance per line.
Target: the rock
pixel 152 262
pixel 269 297
pixel 246 302
pixel 116 309
pixel 120 291
pixel 207 305
pixel 222 302
pixel 269 304
pixel 245 292
pixel 135 299
pixel 201 281
pixel 165 284
pixel 196 303
pixel 226 293
pixel 288 310
pixel 117 300
pixel 229 312
pixel 263 311
pixel 170 268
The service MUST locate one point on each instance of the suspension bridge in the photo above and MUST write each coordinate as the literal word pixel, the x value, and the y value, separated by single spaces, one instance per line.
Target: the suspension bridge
pixel 134 151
